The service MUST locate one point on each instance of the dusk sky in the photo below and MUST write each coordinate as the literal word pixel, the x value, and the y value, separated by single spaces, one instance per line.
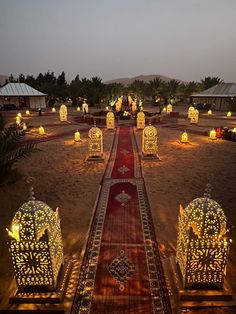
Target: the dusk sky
pixel 182 39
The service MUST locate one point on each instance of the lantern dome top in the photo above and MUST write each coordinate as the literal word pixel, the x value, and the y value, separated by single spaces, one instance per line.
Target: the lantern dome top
pixel 150 131
pixel 110 114
pixel 33 218
pixel 95 132
pixel 206 217
pixel 141 114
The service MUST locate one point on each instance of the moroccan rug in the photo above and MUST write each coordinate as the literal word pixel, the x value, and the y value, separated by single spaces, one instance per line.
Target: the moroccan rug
pixel 122 271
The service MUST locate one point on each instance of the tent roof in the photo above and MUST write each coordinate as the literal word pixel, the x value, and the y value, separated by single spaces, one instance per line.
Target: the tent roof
pixel 19 89
pixel 219 90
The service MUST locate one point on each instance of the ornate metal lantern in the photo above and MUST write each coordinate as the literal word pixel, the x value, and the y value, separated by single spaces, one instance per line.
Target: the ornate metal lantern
pixel 169 108
pixel 134 105
pixel 118 104
pixel 141 120
pixel 95 143
pixel 85 108
pixel 194 116
pixel 110 120
pixel 149 142
pixel 190 111
pixel 63 113
pixel 202 244
pixel 36 247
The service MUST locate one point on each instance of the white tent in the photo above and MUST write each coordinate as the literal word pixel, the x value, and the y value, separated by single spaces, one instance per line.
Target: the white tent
pixel 21 95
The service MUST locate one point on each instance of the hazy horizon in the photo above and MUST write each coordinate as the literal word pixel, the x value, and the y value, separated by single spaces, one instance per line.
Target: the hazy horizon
pixel 185 39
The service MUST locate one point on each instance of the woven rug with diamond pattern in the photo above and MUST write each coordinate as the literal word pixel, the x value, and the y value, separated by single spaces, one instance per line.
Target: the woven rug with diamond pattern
pixel 122 271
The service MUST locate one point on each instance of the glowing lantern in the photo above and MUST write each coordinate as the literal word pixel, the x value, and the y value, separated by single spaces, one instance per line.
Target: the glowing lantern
pixel 134 105
pixel 77 136
pixel 234 130
pixel 218 133
pixel 110 120
pixel 27 112
pixel 36 246
pixel 41 130
pixel 24 126
pixel 141 120
pixel 212 135
pixel 78 109
pixel 18 120
pixel 53 109
pixel 209 112
pixel 19 115
pixel 229 114
pixel 63 113
pixel 190 111
pixel 194 116
pixel 149 142
pixel 164 110
pixel 95 144
pixel 85 107
pixel 118 104
pixel 169 108
pixel 202 245
pixel 184 138
pixel 107 108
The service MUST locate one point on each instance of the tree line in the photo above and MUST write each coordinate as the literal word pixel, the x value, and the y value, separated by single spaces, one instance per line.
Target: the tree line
pixel 95 91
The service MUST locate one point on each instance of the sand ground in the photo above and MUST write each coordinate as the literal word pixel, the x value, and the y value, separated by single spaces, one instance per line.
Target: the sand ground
pixel 63 179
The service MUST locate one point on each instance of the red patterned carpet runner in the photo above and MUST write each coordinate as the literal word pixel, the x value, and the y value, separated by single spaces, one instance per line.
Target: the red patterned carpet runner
pixel 121 271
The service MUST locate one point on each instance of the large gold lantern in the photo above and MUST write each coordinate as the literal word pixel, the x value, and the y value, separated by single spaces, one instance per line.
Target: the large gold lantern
pixel 190 110
pixel 169 108
pixel 36 246
pixel 202 244
pixel 194 116
pixel 95 144
pixel 110 120
pixel 212 135
pixel 149 142
pixel 118 104
pixel 141 120
pixel 134 105
pixel 63 113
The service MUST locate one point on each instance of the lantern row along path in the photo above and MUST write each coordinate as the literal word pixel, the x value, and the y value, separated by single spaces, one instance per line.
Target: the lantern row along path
pixel 121 270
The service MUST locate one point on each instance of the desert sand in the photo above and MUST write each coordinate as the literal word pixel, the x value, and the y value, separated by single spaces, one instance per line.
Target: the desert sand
pixel 62 178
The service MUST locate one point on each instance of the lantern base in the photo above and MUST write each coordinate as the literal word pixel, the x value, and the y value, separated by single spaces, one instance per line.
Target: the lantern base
pixel 57 296
pixel 150 157
pixel 95 158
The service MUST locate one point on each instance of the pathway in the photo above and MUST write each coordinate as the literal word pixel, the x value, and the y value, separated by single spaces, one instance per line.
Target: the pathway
pixel 122 271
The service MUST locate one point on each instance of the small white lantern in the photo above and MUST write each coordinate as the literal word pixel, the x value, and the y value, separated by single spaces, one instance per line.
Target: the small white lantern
pixel 234 130
pixel 78 109
pixel 53 109
pixel 27 112
pixel 229 114
pixel 24 126
pixel 19 115
pixel 77 136
pixel 209 112
pixel 184 138
pixel 18 120
pixel 164 109
pixel 41 130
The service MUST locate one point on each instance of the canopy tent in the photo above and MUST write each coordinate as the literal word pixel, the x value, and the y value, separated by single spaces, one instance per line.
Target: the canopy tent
pixel 21 95
pixel 218 95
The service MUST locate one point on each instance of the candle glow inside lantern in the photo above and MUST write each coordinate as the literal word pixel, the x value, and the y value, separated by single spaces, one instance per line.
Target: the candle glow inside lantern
pixel 141 120
pixel 212 135
pixel 234 129
pixel 209 112
pixel 19 115
pixel 110 120
pixel 53 109
pixel 202 245
pixel 194 116
pixel 107 108
pixel 27 112
pixel 229 114
pixel 164 109
pixel 77 136
pixel 78 108
pixel 41 130
pixel 36 246
pixel 184 138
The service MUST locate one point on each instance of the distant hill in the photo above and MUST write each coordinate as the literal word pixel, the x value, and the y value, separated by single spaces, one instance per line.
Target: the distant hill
pixel 3 79
pixel 145 78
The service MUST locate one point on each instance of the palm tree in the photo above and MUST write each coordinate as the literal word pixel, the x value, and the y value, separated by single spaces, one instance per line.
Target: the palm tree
pixel 208 82
pixel 139 88
pixel 189 88
pixel 171 89
pixel 11 149
pixel 155 87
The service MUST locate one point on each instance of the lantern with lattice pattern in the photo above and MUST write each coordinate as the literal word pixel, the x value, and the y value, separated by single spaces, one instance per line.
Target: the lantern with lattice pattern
pixel 141 120
pixel 110 120
pixel 63 113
